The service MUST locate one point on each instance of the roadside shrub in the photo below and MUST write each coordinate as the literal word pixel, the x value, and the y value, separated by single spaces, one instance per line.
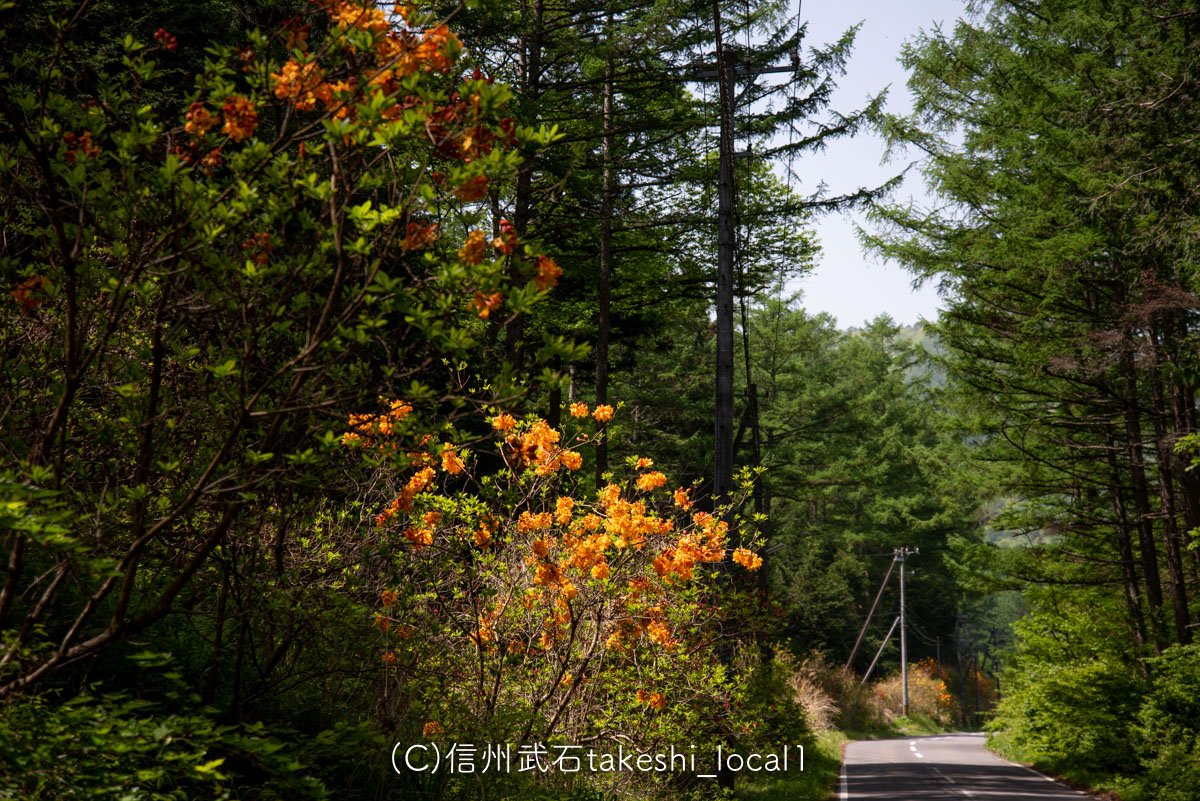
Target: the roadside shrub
pixel 836 695
pixel 117 746
pixel 1167 733
pixel 927 694
pixel 1072 718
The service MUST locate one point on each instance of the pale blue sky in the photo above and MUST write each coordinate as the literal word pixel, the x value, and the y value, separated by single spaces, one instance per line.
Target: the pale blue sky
pixel 850 285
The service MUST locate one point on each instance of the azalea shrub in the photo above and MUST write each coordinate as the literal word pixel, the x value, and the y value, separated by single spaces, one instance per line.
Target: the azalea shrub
pixel 928 694
pixel 201 277
pixel 518 604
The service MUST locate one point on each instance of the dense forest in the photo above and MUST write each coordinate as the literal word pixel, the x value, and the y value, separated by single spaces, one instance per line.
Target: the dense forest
pixel 364 372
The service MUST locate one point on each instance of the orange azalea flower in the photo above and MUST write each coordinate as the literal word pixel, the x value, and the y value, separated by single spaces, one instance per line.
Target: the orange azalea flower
pixel 432 729
pixel 419 537
pixel 603 413
pixel 648 482
pixel 451 462
pixel 437 49
pixel 298 83
pixel 405 11
pixel 548 273
pixel 682 500
pixel 472 189
pixel 531 521
pixel 747 559
pixel 484 305
pixel 570 459
pixel 562 510
pixel 199 120
pixel 474 249
pixel 30 293
pixel 657 701
pixel 504 422
pixel 241 117
pixel 660 634
pixel 483 535
pixel 600 571
pixel 419 237
pixel 579 410
pixel 389 658
pixel 388 598
pixel 420 481
pixel 211 161
pixel 356 15
pixel 507 242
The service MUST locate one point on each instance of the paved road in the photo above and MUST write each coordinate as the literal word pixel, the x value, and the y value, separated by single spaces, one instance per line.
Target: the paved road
pixel 948 768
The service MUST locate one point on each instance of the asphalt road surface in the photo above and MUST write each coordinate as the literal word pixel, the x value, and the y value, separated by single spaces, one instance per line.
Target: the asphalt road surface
pixel 952 767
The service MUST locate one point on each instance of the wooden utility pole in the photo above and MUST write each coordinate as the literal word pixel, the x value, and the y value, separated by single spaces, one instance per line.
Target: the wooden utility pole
pixel 900 555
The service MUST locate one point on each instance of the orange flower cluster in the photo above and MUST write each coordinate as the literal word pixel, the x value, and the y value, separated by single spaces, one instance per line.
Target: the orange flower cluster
pixel 648 623
pixel 474 250
pixel 356 15
pixel 533 521
pixel 80 144
pixel 648 482
pixel 747 559
pixel 484 305
pixel 537 447
pixel 563 508
pixel 452 463
pixel 241 117
pixel 199 120
pixel 566 550
pixel 258 248
pixel 30 293
pixel 302 84
pixel 655 701
pixel 704 544
pixel 628 523
pixel 603 413
pixel 474 188
pixel 419 237
pixel 404 503
pixel 682 500
pixel 482 536
pixel 548 273
pixel 394 54
pixel 419 536
pixel 484 631
pixel 369 429
pixel 507 242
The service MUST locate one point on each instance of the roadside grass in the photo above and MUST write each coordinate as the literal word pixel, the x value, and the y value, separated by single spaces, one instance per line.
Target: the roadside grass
pixel 1109 786
pixel 915 725
pixel 817 782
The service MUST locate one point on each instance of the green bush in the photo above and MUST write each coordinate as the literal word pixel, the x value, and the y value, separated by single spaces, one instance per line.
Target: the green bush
pixel 1071 718
pixel 1167 733
pixel 117 747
